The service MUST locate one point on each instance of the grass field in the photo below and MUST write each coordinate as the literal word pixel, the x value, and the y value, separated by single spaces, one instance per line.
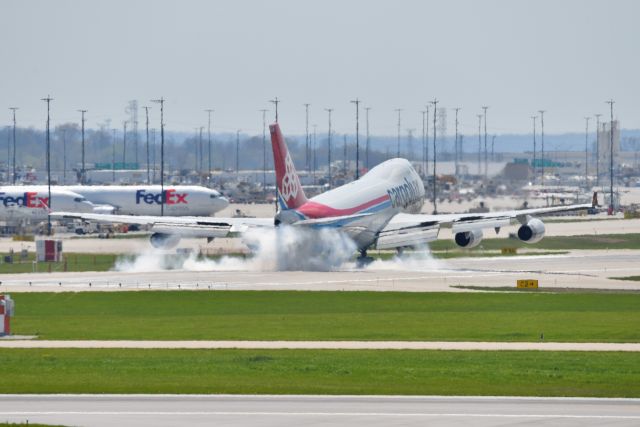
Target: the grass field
pixel 290 315
pixel 71 262
pixel 321 372
pixel 631 278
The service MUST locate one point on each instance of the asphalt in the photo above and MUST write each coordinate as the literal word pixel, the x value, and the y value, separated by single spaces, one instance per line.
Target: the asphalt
pixel 369 411
pixel 578 269
pixel 326 345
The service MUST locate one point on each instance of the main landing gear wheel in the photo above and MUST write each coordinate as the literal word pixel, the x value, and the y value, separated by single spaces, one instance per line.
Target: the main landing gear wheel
pixel 363 260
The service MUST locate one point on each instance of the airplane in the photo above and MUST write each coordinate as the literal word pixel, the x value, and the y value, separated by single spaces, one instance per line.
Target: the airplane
pixel 180 200
pixel 380 210
pixel 31 203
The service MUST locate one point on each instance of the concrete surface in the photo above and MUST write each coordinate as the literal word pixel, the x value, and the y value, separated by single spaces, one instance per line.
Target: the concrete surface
pixel 578 269
pixel 327 345
pixel 366 411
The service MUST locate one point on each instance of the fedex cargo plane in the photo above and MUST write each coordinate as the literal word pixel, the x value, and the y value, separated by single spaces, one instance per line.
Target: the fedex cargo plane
pixel 180 200
pixel 380 210
pixel 31 203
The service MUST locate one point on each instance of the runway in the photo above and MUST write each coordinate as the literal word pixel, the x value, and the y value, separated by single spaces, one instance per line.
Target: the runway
pixel 326 345
pixel 577 269
pixel 253 410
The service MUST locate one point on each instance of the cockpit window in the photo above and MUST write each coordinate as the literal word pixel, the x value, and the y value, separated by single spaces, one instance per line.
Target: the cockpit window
pixel 213 196
pixel 79 199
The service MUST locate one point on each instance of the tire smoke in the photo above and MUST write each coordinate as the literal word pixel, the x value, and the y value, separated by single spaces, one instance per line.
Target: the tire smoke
pixel 280 249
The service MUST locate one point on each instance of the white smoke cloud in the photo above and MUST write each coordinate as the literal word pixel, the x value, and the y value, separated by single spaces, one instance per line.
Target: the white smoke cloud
pixel 420 259
pixel 280 249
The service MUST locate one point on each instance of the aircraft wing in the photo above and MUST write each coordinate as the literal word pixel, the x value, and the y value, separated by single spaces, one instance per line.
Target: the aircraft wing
pixel 411 229
pixel 183 225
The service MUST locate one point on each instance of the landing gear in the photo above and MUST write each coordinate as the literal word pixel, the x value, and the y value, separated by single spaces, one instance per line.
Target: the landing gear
pixel 363 260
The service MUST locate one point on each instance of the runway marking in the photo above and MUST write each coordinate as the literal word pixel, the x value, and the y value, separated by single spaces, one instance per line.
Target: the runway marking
pixel 316 414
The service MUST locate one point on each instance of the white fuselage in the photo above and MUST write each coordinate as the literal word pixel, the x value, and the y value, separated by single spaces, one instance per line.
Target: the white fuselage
pixel 390 188
pixel 180 200
pixel 32 203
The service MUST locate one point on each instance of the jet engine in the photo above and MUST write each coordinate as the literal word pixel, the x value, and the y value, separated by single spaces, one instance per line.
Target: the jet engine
pixel 468 239
pixel 532 231
pixel 164 240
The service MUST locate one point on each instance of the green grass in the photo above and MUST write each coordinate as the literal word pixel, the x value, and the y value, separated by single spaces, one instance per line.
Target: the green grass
pixel 524 373
pixel 74 262
pixel 290 315
pixel 632 278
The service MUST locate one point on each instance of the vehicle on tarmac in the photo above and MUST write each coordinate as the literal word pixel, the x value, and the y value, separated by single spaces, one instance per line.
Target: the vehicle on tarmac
pixel 380 210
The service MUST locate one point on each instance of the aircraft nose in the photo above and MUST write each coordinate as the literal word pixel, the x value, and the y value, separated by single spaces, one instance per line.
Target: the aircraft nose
pixel 221 202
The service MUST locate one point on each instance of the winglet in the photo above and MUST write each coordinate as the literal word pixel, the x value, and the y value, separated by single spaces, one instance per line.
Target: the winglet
pixel 594 200
pixel 290 193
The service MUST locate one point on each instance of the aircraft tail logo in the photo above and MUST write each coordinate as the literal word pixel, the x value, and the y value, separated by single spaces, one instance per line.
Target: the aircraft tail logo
pixel 290 193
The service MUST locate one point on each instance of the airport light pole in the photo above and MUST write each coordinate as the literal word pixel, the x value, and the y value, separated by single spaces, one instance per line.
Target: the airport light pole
pixel 586 152
pixel 124 144
pixel 162 199
pixel 399 111
pixel 201 152
pixel 264 150
pixel 457 148
pixel 611 102
pixel 366 157
pixel 209 113
pixel 426 146
pixel 306 141
pixel 329 110
pixel 48 100
pixel 146 112
pixel 424 143
pixel 479 144
pixel 275 101
pixel 8 149
pixel 542 146
pixel 486 152
pixel 83 170
pixel 435 200
pixel 357 103
pixel 533 164
pixel 598 149
pixel 13 109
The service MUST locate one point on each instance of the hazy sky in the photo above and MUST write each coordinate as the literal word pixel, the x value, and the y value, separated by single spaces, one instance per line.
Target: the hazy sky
pixel 564 56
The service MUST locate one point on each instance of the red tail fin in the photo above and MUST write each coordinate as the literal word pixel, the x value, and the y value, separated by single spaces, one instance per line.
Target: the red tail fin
pixel 290 193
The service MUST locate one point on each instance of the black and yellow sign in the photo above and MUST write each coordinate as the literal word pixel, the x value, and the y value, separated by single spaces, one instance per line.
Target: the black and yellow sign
pixel 527 283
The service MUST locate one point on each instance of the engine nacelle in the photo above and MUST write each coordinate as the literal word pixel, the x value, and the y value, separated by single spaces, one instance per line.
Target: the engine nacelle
pixel 164 240
pixel 532 231
pixel 468 239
